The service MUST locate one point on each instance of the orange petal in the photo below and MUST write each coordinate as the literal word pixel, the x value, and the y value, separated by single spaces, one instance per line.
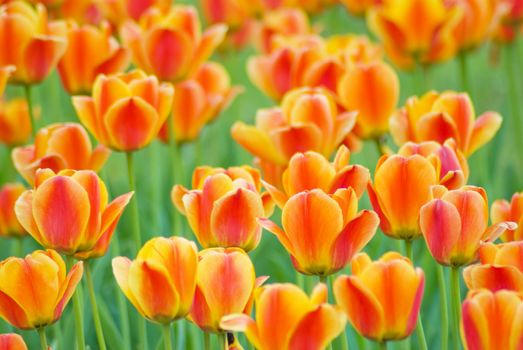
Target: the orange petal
pixel 485 128
pixel 307 171
pixel 356 177
pixel 68 288
pixel 299 138
pixel 12 341
pixel 242 323
pixel 41 56
pixel 437 127
pixel 210 40
pixel 493 277
pixel 257 143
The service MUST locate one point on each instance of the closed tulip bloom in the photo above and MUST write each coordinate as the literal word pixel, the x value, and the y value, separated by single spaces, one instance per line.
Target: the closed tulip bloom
pixel 118 11
pixel 106 56
pixel 161 281
pixel 492 320
pixel 373 90
pixel 465 214
pixel 382 298
pixel 37 46
pixel 12 341
pixel 285 316
pixel 502 210
pixel 15 122
pixel 170 44
pixel 51 287
pixel 225 284
pixel 9 225
pixel 59 146
pixel 402 185
pixel 5 73
pixel 69 211
pixel 440 116
pixel 126 111
pixel 223 206
pixel 310 170
pixel 323 232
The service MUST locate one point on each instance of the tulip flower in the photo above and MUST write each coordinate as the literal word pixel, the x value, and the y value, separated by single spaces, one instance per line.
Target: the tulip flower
pixel 231 12
pixel 5 73
pixel 12 341
pixel 223 206
pixel 359 7
pixel 323 232
pixel 82 11
pixel 512 17
pixel 170 44
pixel 9 225
pixel 43 304
pixel 502 210
pixel 106 56
pixel 310 170
pixel 373 90
pixel 199 101
pixel 161 281
pixel 31 43
pixel 118 11
pixel 58 147
pixel 492 320
pixel 309 6
pixel 285 316
pixel 68 211
pixel 382 298
pixel 15 122
pixel 402 185
pixel 440 116
pixel 225 284
pixel 126 110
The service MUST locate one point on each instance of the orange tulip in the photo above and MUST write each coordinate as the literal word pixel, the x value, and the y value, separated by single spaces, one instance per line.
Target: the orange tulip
pixel 359 7
pixel 59 146
pixel 373 90
pixel 401 186
pixel 161 282
pixel 451 163
pixel 82 11
pixel 502 210
pixel 29 41
pixel 15 122
pixel 511 20
pixel 106 56
pixel 199 101
pixel 231 12
pixel 126 111
pixel 415 30
pixel 225 284
pixel 170 45
pixel 68 211
pixel 223 206
pixel 310 170
pixel 440 116
pixel 5 73
pixel 492 320
pixel 34 291
pixel 382 298
pixel 118 11
pixel 9 225
pixel 285 316
pixel 322 232
pixel 12 341
pixel 310 6
pixel 464 213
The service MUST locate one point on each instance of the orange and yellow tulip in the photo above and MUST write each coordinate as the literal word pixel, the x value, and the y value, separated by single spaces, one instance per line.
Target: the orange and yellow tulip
pixel 9 225
pixel 511 20
pixel 440 116
pixel 359 7
pixel 118 11
pixel 68 211
pixel 12 341
pixel 492 320
pixel 30 43
pixel 234 13
pixel 170 45
pixel 402 185
pixel 15 122
pixel 59 146
pixel 502 210
pixel 82 11
pixel 106 56
pixel 465 214
pixel 382 298
pixel 5 73
pixel 161 281
pixel 223 206
pixel 225 284
pixel 285 316
pixel 126 111
pixel 323 232
pixel 43 304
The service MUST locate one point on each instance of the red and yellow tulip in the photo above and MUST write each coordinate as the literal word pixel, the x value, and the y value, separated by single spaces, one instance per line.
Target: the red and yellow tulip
pixel 5 73
pixel 360 7
pixel 118 11
pixel 9 225
pixel 12 341
pixel 15 122
pixel 502 210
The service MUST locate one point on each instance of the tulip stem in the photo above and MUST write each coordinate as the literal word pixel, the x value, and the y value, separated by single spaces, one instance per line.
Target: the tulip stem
pixel 207 340
pixel 381 145
pixel 443 308
pixel 463 68
pixel 29 100
pixel 78 315
pixel 408 249
pixel 122 306
pixel 510 52
pixel 167 342
pixel 222 341
pixel 18 249
pixel 134 201
pixel 456 304
pixel 383 345
pixel 96 315
pixel 43 338
pixel 177 172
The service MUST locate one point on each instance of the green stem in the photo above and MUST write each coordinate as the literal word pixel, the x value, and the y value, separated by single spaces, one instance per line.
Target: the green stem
pixel 360 340
pixel 222 341
pixel 207 340
pixel 380 143
pixel 383 345
pixel 78 314
pixel 510 53
pixel 134 202
pixel 167 342
pixel 29 100
pixel 300 281
pixel 463 69
pixel 96 315
pixel 323 279
pixel 177 173
pixel 408 249
pixel 142 334
pixel 443 308
pixel 122 306
pixel 155 188
pixel 18 247
pixel 43 338
pixel 456 304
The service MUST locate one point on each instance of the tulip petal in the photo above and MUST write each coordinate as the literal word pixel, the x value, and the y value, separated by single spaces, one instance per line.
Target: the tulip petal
pixel 41 56
pixel 68 288
pixel 355 176
pixel 297 138
pixel 121 266
pixel 210 40
pixel 242 323
pixel 257 143
pixel 485 127
pixel 437 127
pixel 493 277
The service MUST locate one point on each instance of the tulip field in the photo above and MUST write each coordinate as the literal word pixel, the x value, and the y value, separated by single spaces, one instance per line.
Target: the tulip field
pixel 264 174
